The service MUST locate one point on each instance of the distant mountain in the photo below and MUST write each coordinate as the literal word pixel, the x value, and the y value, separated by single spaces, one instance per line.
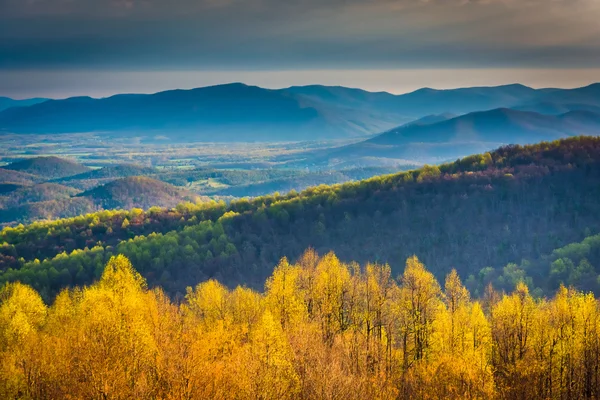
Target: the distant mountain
pixel 48 167
pixel 238 112
pixel 560 101
pixel 431 119
pixel 138 191
pixel 217 113
pixel 6 102
pixel 464 100
pixel 501 125
pixel 556 108
pixel 589 95
pixel 463 135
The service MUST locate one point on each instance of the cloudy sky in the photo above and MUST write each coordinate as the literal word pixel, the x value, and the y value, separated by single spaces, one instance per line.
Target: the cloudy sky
pixel 59 48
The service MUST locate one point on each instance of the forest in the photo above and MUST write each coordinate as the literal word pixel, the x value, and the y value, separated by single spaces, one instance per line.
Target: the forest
pixel 520 213
pixel 321 328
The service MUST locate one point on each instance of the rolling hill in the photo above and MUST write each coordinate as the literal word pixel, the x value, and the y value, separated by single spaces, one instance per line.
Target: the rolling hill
pixel 112 171
pixel 38 193
pixel 48 167
pixel 17 177
pixel 138 192
pixel 48 210
pixel 97 177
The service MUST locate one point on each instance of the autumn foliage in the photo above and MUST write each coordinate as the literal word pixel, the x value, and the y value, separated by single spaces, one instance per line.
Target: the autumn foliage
pixel 321 330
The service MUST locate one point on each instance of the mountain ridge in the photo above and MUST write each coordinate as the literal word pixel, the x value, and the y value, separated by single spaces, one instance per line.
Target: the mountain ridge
pixel 461 135
pixel 241 112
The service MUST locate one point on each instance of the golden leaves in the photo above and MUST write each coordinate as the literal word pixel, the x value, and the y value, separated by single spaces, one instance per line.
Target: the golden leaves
pixel 323 329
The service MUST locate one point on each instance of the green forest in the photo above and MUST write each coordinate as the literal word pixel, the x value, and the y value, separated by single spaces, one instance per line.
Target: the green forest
pixel 518 214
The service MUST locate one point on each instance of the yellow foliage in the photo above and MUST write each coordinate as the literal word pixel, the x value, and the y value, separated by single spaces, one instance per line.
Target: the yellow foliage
pixel 323 329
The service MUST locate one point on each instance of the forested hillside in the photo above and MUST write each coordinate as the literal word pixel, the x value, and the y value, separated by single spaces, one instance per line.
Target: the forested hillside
pixel 321 329
pixel 489 216
pixel 138 191
pixel 48 167
pixel 51 200
pixel 52 187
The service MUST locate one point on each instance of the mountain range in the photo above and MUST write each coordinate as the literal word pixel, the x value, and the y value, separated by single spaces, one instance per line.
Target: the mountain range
pixel 6 102
pixel 238 112
pixel 441 138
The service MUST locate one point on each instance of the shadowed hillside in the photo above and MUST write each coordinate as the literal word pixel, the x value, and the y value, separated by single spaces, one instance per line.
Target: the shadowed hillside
pixel 112 171
pixel 138 192
pixel 48 167
pixel 17 177
pixel 91 179
pixel 39 192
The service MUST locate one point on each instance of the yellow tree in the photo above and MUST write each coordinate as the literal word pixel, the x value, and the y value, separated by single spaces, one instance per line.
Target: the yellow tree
pixel 462 343
pixel 209 303
pixel 284 297
pixel 416 309
pixel 378 289
pixel 22 314
pixel 270 371
pixel 420 301
pixel 214 345
pixel 512 322
pixel 458 304
pixel 114 349
pixel 330 297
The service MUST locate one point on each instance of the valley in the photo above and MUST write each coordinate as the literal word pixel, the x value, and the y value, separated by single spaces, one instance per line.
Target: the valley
pixel 181 164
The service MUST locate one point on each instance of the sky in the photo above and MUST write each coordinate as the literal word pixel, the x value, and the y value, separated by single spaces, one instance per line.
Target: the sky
pixel 61 48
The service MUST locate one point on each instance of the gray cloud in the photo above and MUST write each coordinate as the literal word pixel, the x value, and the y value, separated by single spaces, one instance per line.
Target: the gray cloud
pixel 275 34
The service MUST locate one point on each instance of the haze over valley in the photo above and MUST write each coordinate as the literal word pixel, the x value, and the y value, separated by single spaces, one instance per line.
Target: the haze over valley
pixel 78 155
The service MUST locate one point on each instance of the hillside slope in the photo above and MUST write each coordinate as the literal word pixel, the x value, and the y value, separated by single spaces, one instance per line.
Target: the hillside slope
pixel 17 177
pixel 48 167
pixel 484 211
pixel 91 179
pixel 138 192
pixel 39 192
